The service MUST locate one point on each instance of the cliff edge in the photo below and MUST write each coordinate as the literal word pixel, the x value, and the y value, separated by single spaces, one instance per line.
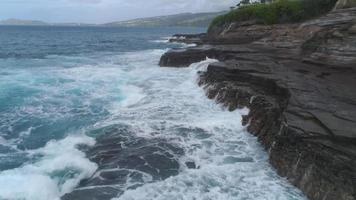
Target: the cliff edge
pixel 299 81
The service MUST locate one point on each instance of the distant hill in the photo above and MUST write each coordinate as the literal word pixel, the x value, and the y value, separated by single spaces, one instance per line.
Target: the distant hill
pixel 20 22
pixel 184 19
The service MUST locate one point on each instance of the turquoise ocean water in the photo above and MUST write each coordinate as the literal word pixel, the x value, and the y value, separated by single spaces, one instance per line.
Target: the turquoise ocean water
pixel 59 86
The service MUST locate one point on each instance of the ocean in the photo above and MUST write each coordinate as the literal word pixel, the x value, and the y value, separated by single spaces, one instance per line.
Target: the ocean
pixel 61 87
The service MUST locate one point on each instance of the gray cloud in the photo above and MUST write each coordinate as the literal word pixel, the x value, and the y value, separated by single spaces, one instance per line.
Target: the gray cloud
pixel 99 11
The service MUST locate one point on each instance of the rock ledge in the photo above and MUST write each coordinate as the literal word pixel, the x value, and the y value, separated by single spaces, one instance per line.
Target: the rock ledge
pixel 299 81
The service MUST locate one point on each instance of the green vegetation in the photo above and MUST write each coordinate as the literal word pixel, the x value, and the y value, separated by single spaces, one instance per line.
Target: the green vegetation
pixel 280 11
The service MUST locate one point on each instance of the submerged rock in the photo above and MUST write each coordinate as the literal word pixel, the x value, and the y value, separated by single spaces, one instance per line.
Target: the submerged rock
pixel 191 165
pixel 126 161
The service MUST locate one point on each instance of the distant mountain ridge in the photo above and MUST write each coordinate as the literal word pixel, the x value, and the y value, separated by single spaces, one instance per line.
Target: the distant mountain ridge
pixel 183 19
pixel 22 22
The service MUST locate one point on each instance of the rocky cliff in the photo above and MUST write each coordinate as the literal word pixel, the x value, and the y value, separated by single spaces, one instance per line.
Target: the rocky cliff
pixel 299 81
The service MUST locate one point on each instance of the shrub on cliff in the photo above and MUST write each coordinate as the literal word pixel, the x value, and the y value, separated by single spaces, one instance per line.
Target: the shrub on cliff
pixel 282 11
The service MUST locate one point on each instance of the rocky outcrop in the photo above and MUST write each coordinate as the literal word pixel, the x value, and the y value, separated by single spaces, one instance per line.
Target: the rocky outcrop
pixel 243 32
pixel 334 41
pixel 299 81
pixel 184 57
pixel 126 161
pixel 345 4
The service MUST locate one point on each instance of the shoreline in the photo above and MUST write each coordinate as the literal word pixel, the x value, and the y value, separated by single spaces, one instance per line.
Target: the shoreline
pixel 297 80
pixel 183 151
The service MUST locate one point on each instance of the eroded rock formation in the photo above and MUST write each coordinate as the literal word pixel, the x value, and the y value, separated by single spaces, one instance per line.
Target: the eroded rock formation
pixel 299 81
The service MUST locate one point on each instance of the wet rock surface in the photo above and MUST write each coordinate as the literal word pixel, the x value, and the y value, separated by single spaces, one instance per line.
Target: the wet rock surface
pixel 299 82
pixel 126 161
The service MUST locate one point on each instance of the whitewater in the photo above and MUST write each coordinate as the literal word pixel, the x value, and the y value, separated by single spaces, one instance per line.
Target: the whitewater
pixel 54 104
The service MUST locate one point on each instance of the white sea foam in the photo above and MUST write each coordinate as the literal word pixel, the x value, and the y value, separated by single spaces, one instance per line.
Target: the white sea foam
pixel 161 40
pixel 4 142
pixel 43 179
pixel 155 102
pixel 232 165
pixel 59 166
pixel 132 95
pixel 190 45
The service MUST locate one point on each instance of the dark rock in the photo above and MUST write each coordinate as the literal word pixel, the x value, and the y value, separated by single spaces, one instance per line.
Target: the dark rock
pixel 304 121
pixel 191 165
pixel 98 193
pixel 126 161
pixel 299 82
pixel 334 44
pixel 185 57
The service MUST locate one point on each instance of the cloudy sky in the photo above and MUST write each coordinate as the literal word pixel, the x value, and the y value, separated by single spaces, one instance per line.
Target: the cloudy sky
pixel 100 11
